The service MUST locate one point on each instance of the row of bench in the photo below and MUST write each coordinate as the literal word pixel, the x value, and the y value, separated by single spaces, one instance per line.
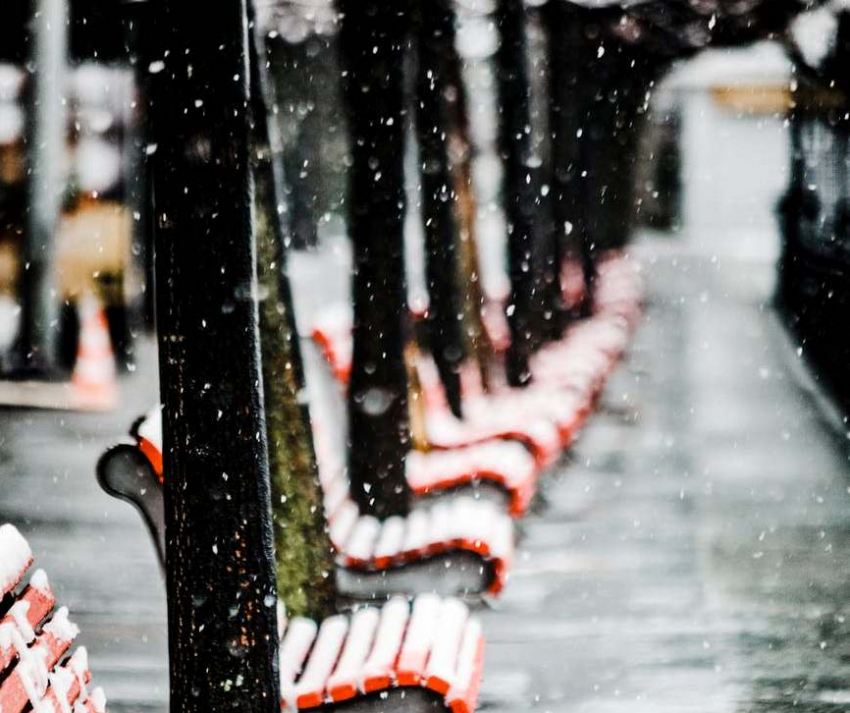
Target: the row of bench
pixel 454 542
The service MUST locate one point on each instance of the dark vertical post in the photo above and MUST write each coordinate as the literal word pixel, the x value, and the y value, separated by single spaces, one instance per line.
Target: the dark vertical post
pixel 139 22
pixel 519 184
pixel 303 551
pixel 34 348
pixel 460 152
pixel 546 248
pixel 631 71
pixel 435 22
pixel 568 63
pixel 220 578
pixel 373 40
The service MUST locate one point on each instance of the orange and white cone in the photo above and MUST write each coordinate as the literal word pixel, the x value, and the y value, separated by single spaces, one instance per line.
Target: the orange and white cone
pixel 94 380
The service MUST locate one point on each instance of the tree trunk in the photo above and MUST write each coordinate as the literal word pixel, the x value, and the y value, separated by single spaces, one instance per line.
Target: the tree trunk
pixel 373 39
pixel 220 576
pixel 519 185
pixel 460 161
pixel 303 551
pixel 34 350
pixel 569 86
pixel 139 22
pixel 442 270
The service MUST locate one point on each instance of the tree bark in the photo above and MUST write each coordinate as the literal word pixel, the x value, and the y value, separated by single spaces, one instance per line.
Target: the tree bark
pixel 569 57
pixel 220 577
pixel 303 551
pixel 460 161
pixel 519 185
pixel 373 40
pixel 442 269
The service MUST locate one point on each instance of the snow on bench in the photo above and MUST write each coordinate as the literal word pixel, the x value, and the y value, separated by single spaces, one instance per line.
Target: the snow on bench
pixel 542 431
pixel 332 332
pixel 568 375
pixel 37 674
pixel 461 544
pixel 431 536
pixel 544 421
pixel 503 463
pixel 431 647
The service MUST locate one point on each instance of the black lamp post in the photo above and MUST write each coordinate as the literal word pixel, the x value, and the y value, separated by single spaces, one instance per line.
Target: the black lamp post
pixel 220 574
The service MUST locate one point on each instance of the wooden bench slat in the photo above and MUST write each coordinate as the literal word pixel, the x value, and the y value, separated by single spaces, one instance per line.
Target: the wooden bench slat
pixel 416 534
pixel 390 541
pixel 16 558
pixel 463 694
pixel 360 544
pixel 310 688
pixel 341 526
pixel 67 684
pixel 471 523
pixel 24 616
pixel 296 643
pixel 378 671
pixel 29 678
pixel 344 683
pixel 95 703
pixel 410 667
pixel 442 663
pixel 335 497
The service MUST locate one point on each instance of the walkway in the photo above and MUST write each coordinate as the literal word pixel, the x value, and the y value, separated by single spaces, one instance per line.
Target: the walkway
pixel 693 556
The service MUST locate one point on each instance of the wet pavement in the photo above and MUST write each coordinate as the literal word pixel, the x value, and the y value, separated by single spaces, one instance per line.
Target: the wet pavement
pixel 690 555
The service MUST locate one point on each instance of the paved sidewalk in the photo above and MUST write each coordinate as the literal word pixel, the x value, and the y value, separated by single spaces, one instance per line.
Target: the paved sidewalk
pixel 693 555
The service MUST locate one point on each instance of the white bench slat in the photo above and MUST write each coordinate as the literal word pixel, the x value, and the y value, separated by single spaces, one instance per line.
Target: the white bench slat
pixel 360 544
pixel 335 497
pixel 344 683
pixel 310 688
pixel 417 642
pixel 390 540
pixel 342 524
pixel 15 558
pixel 295 646
pixel 501 540
pixel 472 521
pixel 378 671
pixel 464 690
pixel 442 664
pixel 441 525
pixel 150 427
pixel 416 536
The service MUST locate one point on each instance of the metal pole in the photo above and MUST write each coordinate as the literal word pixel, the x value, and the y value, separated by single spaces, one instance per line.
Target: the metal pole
pixel 442 272
pixel 139 21
pixel 567 122
pixel 519 185
pixel 220 577
pixel 34 350
pixel 373 40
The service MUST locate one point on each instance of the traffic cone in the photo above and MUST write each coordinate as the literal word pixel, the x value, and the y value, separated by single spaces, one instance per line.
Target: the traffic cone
pixel 94 380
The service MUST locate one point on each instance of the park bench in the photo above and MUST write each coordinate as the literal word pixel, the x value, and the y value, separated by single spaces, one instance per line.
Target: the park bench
pixel 404 656
pixel 425 655
pixel 543 418
pixel 37 673
pixel 452 545
pixel 543 438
